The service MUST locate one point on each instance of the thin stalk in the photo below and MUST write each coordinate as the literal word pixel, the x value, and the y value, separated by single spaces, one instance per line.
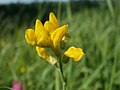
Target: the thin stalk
pixel 1 87
pixel 59 10
pixel 63 78
pixel 69 12
pixel 64 83
pixel 113 73
pixel 13 71
pixel 110 6
pixel 114 68
pixel 57 84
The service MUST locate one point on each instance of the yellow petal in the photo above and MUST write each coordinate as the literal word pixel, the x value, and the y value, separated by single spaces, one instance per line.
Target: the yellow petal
pixel 42 53
pixel 44 40
pixel 42 36
pixel 53 19
pixel 30 36
pixel 74 53
pixel 38 27
pixel 49 27
pixel 58 34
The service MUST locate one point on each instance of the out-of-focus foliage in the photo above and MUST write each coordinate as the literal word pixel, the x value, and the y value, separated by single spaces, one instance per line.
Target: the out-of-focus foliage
pixel 92 27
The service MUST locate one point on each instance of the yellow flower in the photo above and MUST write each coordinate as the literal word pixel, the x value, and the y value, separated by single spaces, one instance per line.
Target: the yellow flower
pixel 53 19
pixel 42 53
pixel 74 53
pixel 39 37
pixel 56 37
pixel 52 24
pixel 49 35
pixel 56 32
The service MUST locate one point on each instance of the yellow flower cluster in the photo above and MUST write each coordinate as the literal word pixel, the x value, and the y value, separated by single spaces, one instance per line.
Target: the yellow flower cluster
pixel 50 35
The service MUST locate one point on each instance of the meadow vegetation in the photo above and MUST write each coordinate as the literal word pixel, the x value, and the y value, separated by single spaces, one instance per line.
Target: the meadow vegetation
pixel 93 28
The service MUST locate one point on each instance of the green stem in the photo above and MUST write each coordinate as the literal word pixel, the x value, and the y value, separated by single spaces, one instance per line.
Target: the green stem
pixel 110 6
pixel 113 69
pixel 4 87
pixel 63 79
pixel 64 83
pixel 57 86
pixel 69 12
pixel 59 10
pixel 13 71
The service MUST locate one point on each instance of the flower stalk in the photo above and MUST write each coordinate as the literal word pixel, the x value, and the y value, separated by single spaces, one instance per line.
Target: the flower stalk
pixel 64 83
pixel 60 68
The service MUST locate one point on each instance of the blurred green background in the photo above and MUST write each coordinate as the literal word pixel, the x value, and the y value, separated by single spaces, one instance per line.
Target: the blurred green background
pixel 93 26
